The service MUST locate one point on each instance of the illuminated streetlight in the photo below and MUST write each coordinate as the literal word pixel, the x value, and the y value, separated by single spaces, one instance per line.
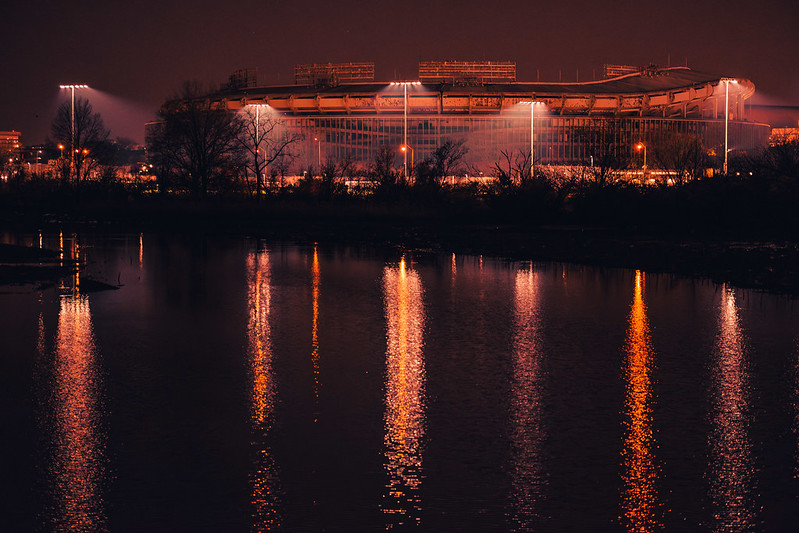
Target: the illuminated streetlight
pixel 72 89
pixel 404 149
pixel 404 85
pixel 319 160
pixel 641 146
pixel 532 104
pixel 726 82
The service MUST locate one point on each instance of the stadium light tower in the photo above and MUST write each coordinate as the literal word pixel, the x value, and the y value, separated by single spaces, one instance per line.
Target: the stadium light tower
pixel 72 146
pixel 532 104
pixel 726 82
pixel 404 85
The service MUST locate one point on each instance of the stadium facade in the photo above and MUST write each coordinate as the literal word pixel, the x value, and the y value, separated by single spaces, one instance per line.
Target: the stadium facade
pixel 345 115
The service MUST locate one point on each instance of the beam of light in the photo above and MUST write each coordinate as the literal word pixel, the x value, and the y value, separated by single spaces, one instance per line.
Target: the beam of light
pixel 732 471
pixel 528 474
pixel 315 279
pixel 640 505
pixel 141 251
pixel 77 470
pixel 405 378
pixel 264 479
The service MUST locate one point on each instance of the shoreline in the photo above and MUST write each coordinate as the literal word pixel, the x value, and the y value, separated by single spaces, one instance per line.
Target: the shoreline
pixel 769 265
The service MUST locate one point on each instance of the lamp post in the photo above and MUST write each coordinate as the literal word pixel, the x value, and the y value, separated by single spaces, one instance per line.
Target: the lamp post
pixel 404 148
pixel 726 82
pixel 532 104
pixel 404 85
pixel 319 155
pixel 72 147
pixel 641 146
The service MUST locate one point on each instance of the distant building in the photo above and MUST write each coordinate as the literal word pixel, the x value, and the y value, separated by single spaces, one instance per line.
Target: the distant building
pixel 10 142
pixel 483 104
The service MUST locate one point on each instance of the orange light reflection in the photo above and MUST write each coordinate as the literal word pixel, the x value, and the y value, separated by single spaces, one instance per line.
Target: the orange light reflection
pixel 529 478
pixel 732 472
pixel 405 377
pixel 264 478
pixel 77 468
pixel 642 510
pixel 315 278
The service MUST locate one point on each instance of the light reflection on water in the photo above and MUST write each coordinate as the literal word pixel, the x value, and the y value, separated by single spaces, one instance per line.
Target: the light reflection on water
pixel 527 431
pixel 405 378
pixel 264 478
pixel 539 380
pixel 315 279
pixel 732 474
pixel 640 505
pixel 77 471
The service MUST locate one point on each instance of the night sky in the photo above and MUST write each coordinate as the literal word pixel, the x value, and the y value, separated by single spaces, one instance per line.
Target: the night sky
pixel 135 54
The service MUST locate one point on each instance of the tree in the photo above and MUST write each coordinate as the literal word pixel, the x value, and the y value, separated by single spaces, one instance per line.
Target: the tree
pixel 90 137
pixel 446 160
pixel 782 158
pixel 512 168
pixel 608 144
pixel 683 154
pixel 383 167
pixel 197 139
pixel 266 139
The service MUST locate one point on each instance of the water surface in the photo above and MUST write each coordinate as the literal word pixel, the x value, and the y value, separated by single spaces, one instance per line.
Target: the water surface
pixel 248 385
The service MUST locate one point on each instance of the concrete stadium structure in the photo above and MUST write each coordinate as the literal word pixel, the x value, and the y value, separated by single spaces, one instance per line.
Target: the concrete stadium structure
pixel 576 122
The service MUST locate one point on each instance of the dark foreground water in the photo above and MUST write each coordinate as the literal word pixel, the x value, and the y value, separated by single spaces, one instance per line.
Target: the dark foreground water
pixel 235 385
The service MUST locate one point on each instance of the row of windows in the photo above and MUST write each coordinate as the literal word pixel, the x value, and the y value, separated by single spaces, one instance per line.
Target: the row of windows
pixel 569 140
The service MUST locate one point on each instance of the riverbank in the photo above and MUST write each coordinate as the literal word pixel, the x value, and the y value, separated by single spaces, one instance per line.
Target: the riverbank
pixel 762 262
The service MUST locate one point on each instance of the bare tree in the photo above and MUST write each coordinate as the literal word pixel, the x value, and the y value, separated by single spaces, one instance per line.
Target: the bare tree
pixel 446 160
pixel 681 153
pixel 197 139
pixel 383 167
pixel 512 167
pixel 90 136
pixel 608 145
pixel 266 138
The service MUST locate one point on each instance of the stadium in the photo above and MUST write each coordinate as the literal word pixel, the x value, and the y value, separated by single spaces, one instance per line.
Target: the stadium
pixel 344 114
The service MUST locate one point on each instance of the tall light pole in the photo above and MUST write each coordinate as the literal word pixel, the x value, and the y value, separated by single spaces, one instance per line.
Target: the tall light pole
pixel 404 148
pixel 404 85
pixel 319 159
pixel 532 104
pixel 641 146
pixel 72 146
pixel 726 82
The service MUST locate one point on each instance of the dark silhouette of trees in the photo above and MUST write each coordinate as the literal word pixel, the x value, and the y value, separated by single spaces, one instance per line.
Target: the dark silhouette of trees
pixel 609 144
pixel 782 159
pixel 90 136
pixel 197 140
pixel 512 168
pixel 681 153
pixel 383 170
pixel 266 139
pixel 445 161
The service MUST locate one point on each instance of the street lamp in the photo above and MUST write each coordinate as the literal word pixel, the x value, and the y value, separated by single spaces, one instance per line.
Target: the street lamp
pixel 726 82
pixel 72 151
pixel 641 146
pixel 404 148
pixel 532 104
pixel 404 85
pixel 319 159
